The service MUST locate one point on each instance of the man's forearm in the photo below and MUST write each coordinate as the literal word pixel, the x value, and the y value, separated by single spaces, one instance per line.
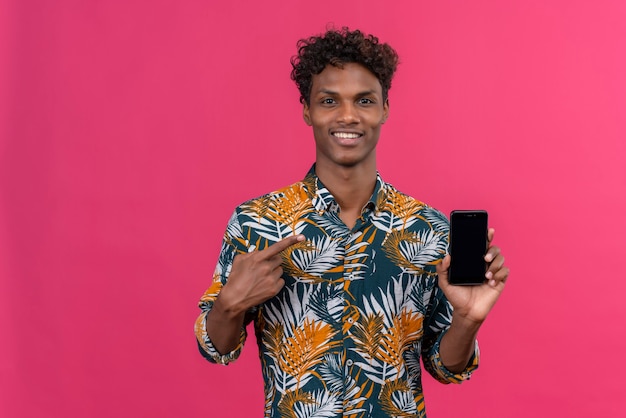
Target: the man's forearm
pixel 458 344
pixel 223 325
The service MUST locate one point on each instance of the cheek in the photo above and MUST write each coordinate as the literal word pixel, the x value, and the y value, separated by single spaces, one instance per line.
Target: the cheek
pixel 320 134
pixel 318 123
pixel 377 124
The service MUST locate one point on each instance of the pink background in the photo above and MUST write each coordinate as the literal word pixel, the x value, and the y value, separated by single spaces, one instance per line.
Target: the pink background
pixel 131 129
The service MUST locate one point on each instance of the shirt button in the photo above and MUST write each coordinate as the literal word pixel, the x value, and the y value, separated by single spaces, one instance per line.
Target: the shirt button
pixel 349 362
pixel 351 276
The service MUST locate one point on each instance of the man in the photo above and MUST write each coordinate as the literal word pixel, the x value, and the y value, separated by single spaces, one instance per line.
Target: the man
pixel 345 278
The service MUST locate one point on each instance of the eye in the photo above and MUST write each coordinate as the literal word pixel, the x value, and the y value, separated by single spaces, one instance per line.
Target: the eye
pixel 328 101
pixel 365 100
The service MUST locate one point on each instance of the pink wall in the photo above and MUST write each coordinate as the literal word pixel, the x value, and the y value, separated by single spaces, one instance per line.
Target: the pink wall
pixel 130 130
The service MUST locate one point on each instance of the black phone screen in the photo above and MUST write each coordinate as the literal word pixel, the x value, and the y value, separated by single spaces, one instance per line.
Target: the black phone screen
pixel 468 245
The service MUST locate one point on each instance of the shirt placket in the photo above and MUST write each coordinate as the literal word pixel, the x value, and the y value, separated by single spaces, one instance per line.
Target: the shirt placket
pixel 352 293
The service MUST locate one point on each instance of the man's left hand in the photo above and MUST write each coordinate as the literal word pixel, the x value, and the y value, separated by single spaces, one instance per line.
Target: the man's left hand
pixel 474 302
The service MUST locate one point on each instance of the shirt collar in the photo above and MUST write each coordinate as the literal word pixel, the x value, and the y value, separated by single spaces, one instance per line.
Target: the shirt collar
pixel 324 201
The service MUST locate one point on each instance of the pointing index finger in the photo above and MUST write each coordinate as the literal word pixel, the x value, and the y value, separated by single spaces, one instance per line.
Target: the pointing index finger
pixel 276 248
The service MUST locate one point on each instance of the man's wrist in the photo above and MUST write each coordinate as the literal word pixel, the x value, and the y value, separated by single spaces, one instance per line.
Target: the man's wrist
pixel 465 325
pixel 227 308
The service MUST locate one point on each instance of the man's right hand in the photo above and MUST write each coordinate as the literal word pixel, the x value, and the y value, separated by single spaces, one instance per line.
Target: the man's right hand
pixel 255 277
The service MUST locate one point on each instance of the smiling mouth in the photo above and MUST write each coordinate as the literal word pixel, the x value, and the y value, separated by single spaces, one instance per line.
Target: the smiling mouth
pixel 347 135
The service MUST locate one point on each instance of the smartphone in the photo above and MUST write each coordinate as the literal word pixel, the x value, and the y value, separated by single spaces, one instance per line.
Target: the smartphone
pixel 468 246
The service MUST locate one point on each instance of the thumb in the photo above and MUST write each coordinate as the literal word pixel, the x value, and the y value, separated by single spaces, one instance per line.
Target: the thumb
pixel 442 270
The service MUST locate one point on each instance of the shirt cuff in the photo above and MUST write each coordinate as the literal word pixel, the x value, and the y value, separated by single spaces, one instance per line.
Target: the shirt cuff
pixel 206 346
pixel 444 375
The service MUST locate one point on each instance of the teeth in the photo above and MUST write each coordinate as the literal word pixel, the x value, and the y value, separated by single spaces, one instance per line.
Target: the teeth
pixel 346 135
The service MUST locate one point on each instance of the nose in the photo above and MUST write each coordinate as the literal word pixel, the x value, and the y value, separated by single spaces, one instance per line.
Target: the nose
pixel 348 114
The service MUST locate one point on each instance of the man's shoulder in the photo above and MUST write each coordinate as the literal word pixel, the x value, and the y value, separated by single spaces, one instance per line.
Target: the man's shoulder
pixel 294 190
pixel 394 195
pixel 403 204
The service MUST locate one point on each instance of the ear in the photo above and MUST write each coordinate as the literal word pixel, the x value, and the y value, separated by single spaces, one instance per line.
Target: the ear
pixel 385 111
pixel 306 115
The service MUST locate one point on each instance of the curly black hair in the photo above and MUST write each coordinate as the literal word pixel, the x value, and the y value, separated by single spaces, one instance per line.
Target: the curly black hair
pixel 338 47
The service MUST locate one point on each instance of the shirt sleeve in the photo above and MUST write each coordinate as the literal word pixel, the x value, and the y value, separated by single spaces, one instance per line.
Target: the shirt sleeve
pixel 437 324
pixel 232 244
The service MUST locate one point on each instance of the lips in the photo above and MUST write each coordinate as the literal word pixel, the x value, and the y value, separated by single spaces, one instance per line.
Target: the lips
pixel 347 137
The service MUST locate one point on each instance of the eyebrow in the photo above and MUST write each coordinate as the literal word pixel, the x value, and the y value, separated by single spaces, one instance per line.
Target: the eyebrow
pixel 334 93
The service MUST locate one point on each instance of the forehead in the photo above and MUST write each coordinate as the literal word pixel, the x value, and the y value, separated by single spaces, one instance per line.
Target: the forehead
pixel 351 79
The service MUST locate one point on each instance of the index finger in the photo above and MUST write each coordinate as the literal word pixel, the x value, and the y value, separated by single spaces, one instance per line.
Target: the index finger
pixel 276 248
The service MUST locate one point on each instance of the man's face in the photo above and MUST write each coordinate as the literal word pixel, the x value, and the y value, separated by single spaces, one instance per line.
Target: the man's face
pixel 346 112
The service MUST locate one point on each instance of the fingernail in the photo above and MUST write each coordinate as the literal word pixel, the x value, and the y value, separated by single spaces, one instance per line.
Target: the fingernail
pixel 489 275
pixel 492 283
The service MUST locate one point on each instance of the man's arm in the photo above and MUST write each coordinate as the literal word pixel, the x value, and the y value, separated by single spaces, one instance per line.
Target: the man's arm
pixel 458 344
pixel 471 305
pixel 254 278
pixel 223 326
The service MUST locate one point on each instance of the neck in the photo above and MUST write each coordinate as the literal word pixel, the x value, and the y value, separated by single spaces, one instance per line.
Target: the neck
pixel 351 187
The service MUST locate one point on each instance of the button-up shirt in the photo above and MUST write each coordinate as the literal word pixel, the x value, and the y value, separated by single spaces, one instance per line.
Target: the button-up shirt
pixel 359 308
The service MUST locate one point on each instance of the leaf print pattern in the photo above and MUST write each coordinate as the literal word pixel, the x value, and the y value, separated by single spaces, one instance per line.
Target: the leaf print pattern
pixel 309 261
pixel 327 305
pixel 367 335
pixel 397 400
pixel 304 350
pixel 359 309
pixel 412 251
pixel 298 404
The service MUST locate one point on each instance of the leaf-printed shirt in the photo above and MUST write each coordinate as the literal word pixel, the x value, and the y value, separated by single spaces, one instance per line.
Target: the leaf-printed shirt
pixel 359 308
